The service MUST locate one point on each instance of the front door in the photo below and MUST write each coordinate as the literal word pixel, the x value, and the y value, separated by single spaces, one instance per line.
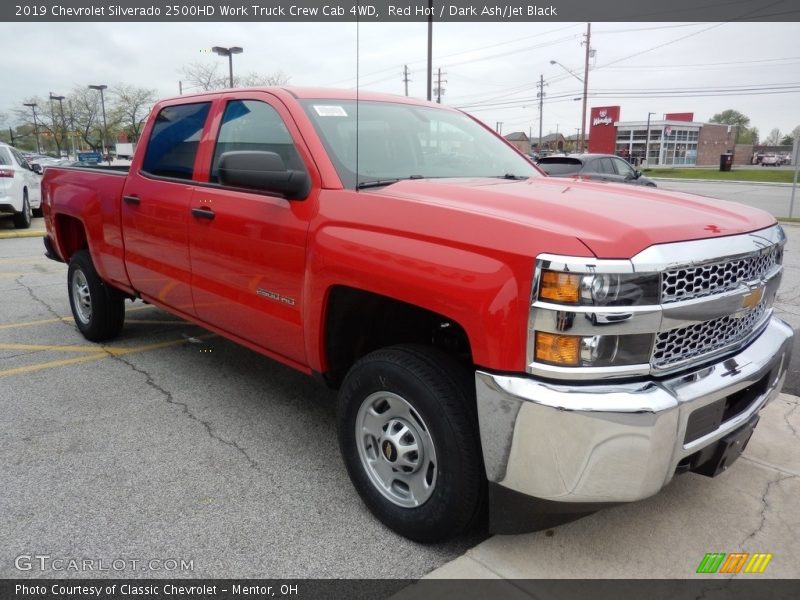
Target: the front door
pixel 248 248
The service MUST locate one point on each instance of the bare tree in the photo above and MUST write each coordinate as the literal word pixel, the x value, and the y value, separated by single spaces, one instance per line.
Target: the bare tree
pixel 86 116
pixel 131 107
pixel 774 138
pixel 211 76
pixel 254 79
pixel 51 127
pixel 202 76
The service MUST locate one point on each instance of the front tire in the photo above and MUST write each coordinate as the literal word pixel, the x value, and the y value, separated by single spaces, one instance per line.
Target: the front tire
pixel 409 437
pixel 22 219
pixel 98 310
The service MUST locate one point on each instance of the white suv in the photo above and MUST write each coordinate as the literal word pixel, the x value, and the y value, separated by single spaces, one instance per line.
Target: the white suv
pixel 19 187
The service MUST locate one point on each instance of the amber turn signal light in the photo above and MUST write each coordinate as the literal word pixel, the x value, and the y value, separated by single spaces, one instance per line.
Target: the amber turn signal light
pixel 560 287
pixel 557 349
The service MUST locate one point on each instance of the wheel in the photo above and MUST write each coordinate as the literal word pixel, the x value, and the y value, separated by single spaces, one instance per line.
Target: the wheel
pixel 98 309
pixel 22 219
pixel 408 434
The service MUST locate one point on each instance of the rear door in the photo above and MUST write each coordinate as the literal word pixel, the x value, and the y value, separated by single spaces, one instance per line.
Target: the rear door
pixel 248 247
pixel 156 206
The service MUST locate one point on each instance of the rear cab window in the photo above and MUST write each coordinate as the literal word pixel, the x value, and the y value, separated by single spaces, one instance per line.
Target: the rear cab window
pixel 560 166
pixel 174 140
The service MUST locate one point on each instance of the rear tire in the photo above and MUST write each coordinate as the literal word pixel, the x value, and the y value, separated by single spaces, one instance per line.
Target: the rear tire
pixel 98 309
pixel 409 437
pixel 22 219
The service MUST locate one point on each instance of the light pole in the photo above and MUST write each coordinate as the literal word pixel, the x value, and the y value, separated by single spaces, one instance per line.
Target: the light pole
pixel 61 108
pixel 105 126
pixel 647 142
pixel 229 52
pixel 584 81
pixel 35 125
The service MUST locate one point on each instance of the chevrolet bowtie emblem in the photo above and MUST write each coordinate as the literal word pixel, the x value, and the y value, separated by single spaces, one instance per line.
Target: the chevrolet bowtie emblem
pixel 388 451
pixel 753 299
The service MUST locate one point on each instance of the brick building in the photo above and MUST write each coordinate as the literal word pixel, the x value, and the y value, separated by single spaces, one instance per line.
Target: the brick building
pixel 676 139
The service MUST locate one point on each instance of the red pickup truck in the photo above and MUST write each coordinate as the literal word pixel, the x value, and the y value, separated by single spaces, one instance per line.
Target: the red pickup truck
pixel 504 343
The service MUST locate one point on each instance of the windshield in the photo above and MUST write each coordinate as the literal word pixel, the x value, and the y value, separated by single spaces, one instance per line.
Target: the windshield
pixel 402 141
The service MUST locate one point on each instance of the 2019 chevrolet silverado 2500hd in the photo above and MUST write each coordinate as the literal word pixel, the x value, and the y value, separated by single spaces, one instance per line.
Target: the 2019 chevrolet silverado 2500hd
pixel 504 343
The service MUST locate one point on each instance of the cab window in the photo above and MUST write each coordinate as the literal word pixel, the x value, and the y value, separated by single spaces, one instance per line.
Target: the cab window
pixel 254 125
pixel 174 139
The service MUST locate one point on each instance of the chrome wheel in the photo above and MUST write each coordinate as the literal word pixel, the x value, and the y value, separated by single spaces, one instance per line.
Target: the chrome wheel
pixel 82 299
pixel 396 449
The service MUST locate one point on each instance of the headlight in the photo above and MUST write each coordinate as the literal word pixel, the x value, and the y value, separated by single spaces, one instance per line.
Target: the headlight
pixel 589 314
pixel 592 351
pixel 600 289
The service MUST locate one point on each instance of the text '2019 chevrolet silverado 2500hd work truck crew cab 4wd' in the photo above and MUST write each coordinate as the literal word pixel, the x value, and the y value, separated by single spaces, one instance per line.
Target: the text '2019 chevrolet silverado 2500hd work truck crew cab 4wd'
pixel 504 343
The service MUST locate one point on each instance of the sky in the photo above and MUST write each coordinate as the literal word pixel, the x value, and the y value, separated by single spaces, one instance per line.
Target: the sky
pixel 491 69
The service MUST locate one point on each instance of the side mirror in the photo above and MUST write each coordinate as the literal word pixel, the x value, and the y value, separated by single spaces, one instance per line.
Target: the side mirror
pixel 37 168
pixel 262 171
pixel 637 173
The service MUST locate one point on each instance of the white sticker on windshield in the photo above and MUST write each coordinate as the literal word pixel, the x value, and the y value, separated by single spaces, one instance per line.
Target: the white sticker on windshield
pixel 330 111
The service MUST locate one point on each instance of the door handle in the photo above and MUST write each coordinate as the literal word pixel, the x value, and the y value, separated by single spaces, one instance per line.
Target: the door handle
pixel 203 213
pixel 133 200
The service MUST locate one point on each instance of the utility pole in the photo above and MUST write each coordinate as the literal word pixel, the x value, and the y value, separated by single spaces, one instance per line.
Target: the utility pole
pixel 33 106
pixel 540 95
pixel 498 126
pixel 439 89
pixel 405 77
pixel 588 43
pixel 647 142
pixel 180 88
pixel 72 128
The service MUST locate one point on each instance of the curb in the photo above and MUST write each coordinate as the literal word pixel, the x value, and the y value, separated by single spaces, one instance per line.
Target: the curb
pixel 4 235
pixel 690 180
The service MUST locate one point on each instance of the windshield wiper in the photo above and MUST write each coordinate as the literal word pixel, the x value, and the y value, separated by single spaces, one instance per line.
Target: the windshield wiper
pixel 375 183
pixel 382 182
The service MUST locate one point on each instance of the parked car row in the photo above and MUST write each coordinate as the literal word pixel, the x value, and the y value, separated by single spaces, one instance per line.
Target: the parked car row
pixel 19 187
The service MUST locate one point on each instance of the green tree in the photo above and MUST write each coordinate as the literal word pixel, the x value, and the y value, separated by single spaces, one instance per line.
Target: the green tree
pixel 737 119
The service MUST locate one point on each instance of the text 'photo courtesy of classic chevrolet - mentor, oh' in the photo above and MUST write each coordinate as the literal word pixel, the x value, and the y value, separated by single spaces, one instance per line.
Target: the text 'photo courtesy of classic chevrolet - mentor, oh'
pixel 508 347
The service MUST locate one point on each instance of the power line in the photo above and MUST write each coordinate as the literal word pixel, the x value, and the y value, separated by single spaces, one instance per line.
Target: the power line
pixel 477 49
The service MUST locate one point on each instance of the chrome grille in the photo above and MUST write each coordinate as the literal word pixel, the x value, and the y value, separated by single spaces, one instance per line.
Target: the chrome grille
pixel 696 282
pixel 696 340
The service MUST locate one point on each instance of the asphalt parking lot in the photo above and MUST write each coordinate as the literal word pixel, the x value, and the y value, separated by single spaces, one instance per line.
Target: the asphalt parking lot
pixel 170 444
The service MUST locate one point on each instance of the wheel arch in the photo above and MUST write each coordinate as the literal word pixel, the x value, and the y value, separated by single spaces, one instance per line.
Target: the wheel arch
pixel 357 322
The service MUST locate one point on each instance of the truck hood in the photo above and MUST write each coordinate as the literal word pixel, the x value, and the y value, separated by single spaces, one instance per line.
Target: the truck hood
pixel 612 220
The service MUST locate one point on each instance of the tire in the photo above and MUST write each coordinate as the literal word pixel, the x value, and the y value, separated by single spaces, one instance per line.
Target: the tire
pixel 416 460
pixel 22 219
pixel 98 310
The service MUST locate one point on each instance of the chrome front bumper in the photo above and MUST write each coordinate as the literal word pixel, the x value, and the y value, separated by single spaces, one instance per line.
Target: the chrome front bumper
pixel 616 442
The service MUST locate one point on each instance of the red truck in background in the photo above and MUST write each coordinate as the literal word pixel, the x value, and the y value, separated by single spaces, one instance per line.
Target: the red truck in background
pixel 504 343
